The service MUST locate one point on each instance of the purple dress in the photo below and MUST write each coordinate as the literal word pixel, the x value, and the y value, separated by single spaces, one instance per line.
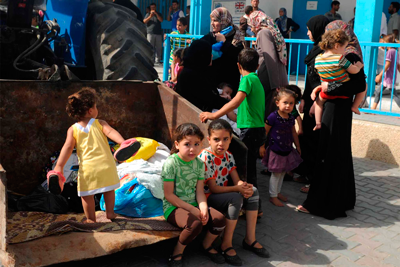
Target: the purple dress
pixel 281 155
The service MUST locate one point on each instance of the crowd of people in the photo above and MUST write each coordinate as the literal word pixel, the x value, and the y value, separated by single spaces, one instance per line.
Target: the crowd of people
pixel 202 187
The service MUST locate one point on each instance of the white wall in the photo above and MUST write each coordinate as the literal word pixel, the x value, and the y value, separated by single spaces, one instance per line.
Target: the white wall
pixel 271 7
pixel 347 9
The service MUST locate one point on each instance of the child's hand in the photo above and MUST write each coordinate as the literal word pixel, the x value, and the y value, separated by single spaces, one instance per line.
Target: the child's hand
pixel 324 87
pixel 300 131
pixel 188 41
pixel 204 116
pixel 262 151
pixel 196 212
pixel 378 78
pixel 248 192
pixel 204 214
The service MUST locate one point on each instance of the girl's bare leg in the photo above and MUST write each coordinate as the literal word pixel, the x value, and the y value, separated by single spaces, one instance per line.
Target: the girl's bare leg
pixel 89 208
pixel 228 235
pixel 357 101
pixel 109 199
pixel 251 221
pixel 319 108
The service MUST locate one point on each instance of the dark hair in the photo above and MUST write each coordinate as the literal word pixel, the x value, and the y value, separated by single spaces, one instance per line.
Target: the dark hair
pixel 188 6
pixel 80 102
pixel 396 5
pixel 330 38
pixel 183 20
pixel 219 124
pixel 248 59
pixel 295 89
pixel 390 38
pixel 248 10
pixel 222 85
pixel 283 91
pixel 175 2
pixel 178 53
pixel 152 4
pixel 183 130
pixel 335 3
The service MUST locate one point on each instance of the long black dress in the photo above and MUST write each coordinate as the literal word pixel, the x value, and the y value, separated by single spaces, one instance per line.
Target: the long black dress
pixel 225 69
pixel 332 191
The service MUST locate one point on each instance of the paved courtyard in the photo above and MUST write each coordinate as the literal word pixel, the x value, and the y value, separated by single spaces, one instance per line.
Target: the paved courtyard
pixel 369 236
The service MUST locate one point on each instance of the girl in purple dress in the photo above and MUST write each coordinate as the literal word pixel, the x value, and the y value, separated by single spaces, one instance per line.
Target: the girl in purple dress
pixel 280 156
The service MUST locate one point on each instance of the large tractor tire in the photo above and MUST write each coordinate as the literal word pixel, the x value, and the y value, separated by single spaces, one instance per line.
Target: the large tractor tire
pixel 118 44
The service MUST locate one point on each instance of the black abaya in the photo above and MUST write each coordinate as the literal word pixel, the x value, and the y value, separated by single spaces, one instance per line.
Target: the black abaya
pixel 332 191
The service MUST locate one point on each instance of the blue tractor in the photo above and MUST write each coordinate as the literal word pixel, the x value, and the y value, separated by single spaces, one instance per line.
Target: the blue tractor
pixel 74 39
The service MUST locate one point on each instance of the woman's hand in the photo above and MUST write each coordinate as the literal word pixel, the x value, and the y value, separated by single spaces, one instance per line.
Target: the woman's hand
pixel 324 87
pixel 204 116
pixel 220 37
pixel 301 106
pixel 315 91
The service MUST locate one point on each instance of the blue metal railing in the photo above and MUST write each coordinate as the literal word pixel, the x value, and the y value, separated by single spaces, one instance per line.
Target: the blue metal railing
pixel 296 56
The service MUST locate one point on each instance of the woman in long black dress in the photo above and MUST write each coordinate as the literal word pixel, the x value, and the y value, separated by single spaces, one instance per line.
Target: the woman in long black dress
pixel 224 69
pixel 332 191
pixel 309 139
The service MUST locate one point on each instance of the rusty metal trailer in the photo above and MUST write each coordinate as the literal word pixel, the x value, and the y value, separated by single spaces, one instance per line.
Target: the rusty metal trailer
pixel 34 123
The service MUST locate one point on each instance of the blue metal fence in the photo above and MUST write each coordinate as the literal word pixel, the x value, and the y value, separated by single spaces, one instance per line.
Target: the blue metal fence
pixel 298 49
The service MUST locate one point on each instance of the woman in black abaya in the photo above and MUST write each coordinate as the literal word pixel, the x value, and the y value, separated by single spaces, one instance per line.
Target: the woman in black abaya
pixel 309 140
pixel 332 191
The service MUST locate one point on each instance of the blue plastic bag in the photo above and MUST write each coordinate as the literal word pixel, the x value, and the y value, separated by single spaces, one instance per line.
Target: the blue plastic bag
pixel 134 200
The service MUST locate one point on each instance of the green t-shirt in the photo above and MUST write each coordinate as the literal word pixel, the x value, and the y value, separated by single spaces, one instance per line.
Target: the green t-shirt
pixel 185 176
pixel 252 109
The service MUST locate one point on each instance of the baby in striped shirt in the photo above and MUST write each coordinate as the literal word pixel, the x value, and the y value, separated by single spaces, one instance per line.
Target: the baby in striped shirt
pixel 332 66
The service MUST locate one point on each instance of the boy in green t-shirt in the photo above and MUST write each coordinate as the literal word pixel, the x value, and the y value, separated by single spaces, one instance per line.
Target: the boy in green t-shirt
pixel 250 99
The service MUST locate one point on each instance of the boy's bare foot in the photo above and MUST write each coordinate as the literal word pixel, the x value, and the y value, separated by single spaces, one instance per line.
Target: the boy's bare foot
pixel 275 201
pixel 111 215
pixel 282 197
pixel 89 221
pixel 356 110
pixel 317 127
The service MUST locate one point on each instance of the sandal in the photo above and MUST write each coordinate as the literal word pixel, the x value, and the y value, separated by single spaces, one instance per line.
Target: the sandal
pixel 172 262
pixel 302 210
pixel 261 252
pixel 301 179
pixel 214 257
pixel 128 149
pixel 55 182
pixel 232 260
pixel 305 189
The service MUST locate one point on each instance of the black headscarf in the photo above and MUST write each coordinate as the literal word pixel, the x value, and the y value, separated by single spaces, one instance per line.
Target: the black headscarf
pixel 197 55
pixel 317 26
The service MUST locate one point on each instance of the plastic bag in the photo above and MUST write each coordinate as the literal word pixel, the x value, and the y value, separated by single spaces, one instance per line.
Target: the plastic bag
pixel 134 200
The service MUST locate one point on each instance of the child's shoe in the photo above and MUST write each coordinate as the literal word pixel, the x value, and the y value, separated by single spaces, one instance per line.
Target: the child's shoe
pixel 128 149
pixel 55 182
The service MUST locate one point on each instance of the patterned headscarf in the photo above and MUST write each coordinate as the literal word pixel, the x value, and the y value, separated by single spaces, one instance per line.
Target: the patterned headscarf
pixel 259 21
pixel 222 15
pixel 353 46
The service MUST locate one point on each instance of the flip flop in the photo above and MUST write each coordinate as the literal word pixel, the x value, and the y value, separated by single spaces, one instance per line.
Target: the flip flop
pixel 302 211
pixel 128 149
pixel 305 189
pixel 55 182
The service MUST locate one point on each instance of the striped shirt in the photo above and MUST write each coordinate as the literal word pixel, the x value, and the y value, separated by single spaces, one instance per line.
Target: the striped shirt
pixel 332 68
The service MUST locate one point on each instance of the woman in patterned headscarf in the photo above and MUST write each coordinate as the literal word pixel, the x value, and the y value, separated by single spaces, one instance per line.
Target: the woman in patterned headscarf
pixel 323 198
pixel 271 48
pixel 224 68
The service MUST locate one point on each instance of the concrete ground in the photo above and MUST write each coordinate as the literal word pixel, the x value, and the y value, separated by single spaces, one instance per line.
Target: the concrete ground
pixel 369 236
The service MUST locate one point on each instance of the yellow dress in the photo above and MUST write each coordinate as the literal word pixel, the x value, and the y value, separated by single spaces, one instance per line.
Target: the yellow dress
pixel 97 169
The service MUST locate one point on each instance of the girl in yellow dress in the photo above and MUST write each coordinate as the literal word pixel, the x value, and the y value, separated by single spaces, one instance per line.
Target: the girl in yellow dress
pixel 97 169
